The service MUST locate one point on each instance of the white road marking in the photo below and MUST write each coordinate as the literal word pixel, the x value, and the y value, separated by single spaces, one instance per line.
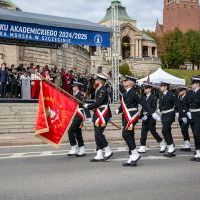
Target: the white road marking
pixel 142 158
pixel 86 143
pixel 17 155
pixel 88 151
pixel 46 153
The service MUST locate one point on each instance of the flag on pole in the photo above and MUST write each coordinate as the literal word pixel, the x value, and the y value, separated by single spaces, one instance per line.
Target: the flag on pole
pixel 55 114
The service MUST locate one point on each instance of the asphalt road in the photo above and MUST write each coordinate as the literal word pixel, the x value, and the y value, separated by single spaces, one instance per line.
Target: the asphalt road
pixel 42 173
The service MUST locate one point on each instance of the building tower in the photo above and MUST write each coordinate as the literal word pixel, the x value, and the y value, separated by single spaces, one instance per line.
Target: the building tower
pixel 7 4
pixel 132 46
pixel 159 28
pixel 183 14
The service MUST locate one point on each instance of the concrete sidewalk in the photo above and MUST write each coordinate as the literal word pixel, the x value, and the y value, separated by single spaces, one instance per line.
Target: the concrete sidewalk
pixel 30 139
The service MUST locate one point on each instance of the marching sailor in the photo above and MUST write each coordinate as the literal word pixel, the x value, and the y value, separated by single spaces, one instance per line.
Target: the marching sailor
pixel 182 108
pixel 194 115
pixel 75 131
pixel 130 115
pixel 167 103
pixel 148 122
pixel 101 117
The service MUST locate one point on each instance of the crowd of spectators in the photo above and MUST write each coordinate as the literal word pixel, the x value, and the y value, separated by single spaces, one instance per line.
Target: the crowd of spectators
pixel 18 82
pixel 23 82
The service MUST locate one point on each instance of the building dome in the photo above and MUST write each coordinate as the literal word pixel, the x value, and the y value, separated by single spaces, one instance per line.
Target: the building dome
pixel 7 4
pixel 122 13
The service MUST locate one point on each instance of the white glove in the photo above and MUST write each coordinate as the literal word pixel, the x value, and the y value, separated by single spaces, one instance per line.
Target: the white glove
pixel 177 115
pixel 117 111
pixel 185 120
pixel 158 111
pixel 85 105
pixel 89 120
pixel 156 116
pixel 189 115
pixel 144 118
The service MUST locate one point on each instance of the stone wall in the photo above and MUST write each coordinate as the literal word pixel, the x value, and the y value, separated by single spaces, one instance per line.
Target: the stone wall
pixel 143 67
pixel 9 54
pixel 70 57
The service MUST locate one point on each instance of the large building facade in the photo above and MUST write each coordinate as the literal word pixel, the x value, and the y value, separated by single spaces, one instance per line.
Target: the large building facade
pixel 69 56
pixel 183 14
pixel 136 48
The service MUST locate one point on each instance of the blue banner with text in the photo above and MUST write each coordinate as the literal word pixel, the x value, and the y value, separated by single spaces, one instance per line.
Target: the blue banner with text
pixel 50 34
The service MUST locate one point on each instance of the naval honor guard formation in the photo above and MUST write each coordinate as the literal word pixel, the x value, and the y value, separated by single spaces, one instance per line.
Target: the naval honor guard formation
pixel 179 104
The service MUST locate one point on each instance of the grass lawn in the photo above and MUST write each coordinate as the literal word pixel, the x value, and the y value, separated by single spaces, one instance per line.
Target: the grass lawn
pixel 185 74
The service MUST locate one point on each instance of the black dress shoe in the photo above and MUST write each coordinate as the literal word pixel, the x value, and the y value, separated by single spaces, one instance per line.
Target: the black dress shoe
pixel 186 149
pixel 195 159
pixel 170 155
pixel 126 164
pixel 79 156
pixel 71 155
pixel 132 164
pixel 108 157
pixel 95 160
pixel 141 152
pixel 198 159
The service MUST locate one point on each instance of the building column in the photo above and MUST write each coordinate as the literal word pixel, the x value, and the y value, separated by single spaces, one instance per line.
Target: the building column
pixel 150 51
pixel 156 52
pixel 132 50
pixel 136 48
pixel 140 48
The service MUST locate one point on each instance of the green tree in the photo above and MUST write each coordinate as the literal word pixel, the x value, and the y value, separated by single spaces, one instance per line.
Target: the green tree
pixel 175 49
pixel 193 44
pixel 124 69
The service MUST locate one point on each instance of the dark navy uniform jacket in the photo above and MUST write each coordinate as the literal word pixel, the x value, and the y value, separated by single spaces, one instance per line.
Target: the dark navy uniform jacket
pixel 182 106
pixel 167 102
pixel 101 99
pixel 152 102
pixel 194 100
pixel 132 100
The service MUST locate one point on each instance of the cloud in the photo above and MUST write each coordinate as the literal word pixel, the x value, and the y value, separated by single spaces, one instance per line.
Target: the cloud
pixel 145 12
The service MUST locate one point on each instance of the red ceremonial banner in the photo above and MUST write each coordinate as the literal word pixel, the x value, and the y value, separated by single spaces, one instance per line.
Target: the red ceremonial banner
pixel 55 114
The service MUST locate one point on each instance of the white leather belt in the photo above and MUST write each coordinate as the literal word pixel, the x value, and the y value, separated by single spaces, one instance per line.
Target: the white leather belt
pixel 167 111
pixel 132 109
pixel 194 110
pixel 103 106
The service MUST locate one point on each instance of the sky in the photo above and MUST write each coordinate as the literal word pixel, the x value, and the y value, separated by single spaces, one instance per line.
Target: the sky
pixel 145 12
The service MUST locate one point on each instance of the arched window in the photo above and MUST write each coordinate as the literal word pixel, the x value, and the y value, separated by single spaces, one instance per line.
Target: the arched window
pixel 126 48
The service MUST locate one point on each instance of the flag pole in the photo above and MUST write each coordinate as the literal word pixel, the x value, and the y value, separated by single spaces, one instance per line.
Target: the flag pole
pixel 71 96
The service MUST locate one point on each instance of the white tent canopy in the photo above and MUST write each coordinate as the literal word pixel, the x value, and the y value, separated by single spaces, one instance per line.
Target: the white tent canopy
pixel 161 76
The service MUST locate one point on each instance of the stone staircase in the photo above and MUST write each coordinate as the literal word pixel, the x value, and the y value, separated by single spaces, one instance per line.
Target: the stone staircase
pixel 19 118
